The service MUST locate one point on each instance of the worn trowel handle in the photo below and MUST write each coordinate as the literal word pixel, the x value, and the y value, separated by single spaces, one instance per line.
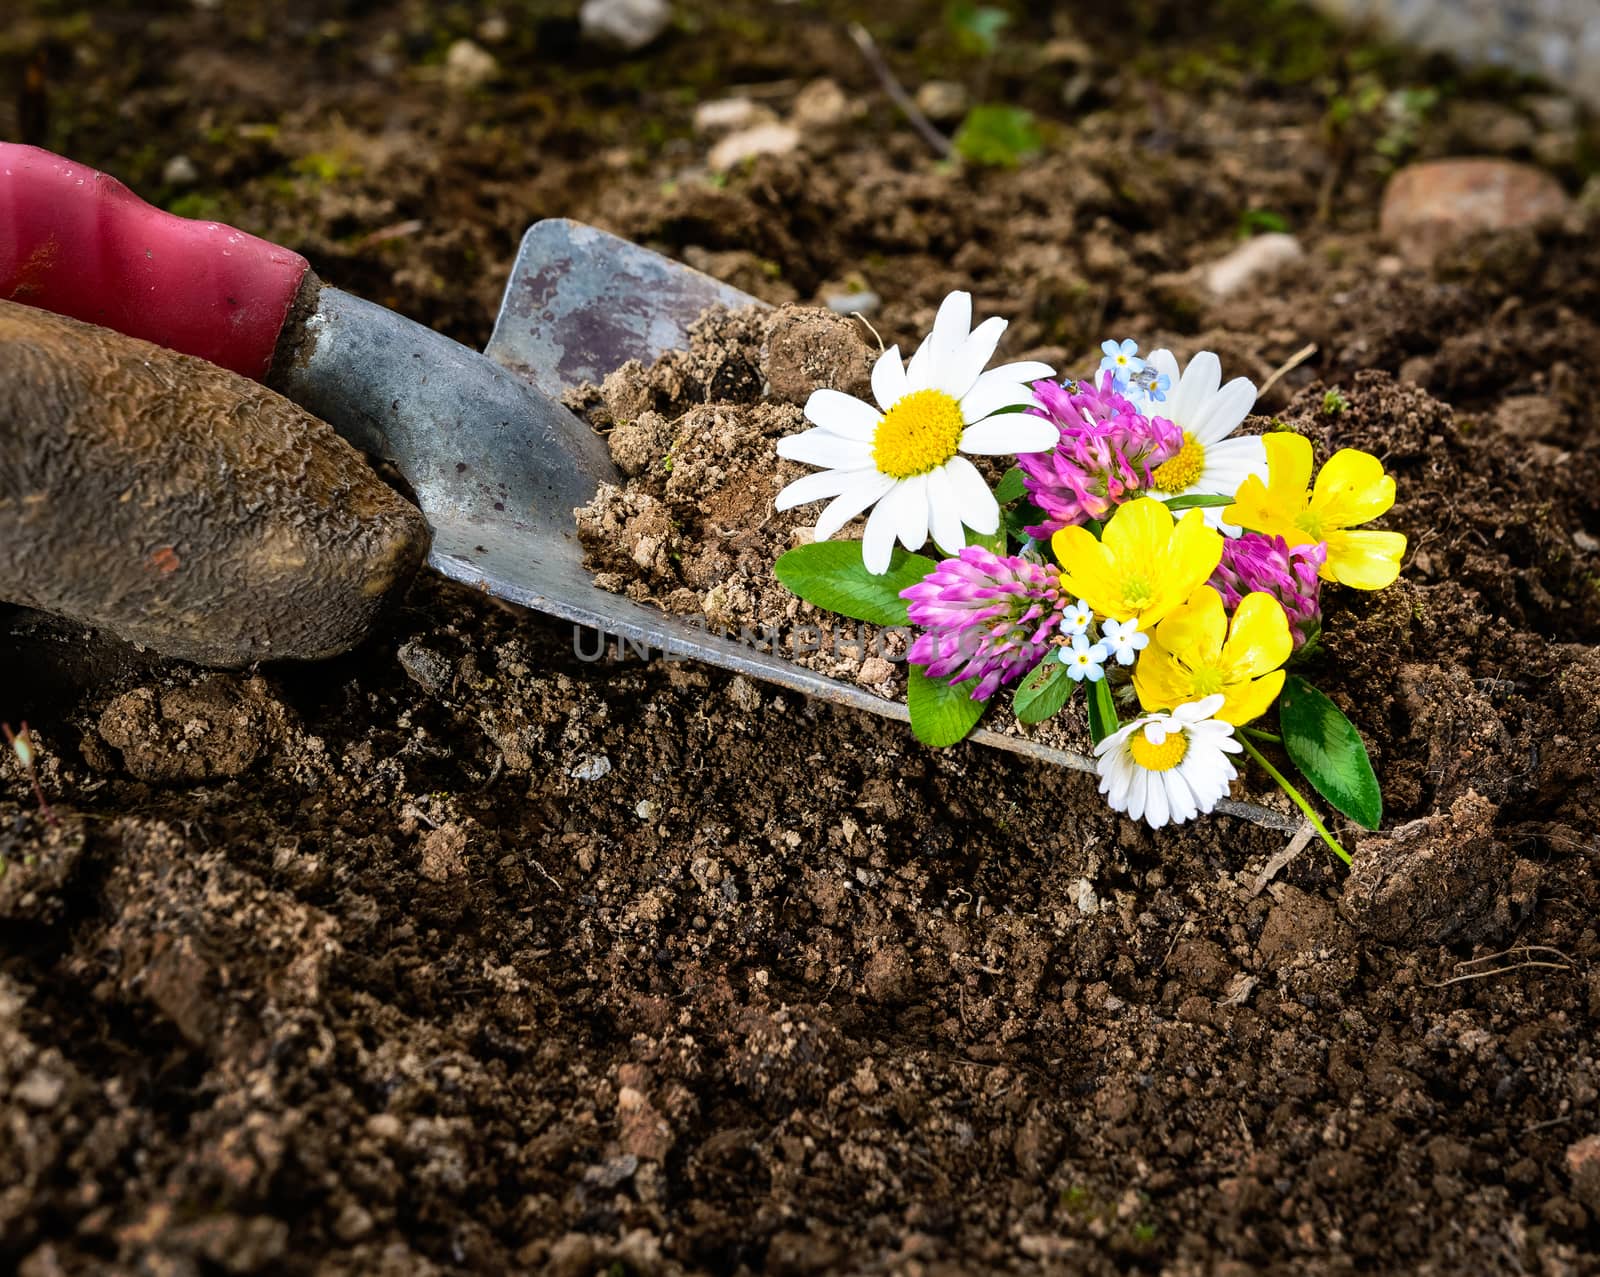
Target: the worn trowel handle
pixel 80 243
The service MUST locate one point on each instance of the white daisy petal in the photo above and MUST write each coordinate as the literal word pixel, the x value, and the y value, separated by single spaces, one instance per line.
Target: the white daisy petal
pixel 944 522
pixel 1180 797
pixel 920 367
pixel 1014 432
pixel 877 544
pixel 819 447
pixel 817 486
pixel 843 415
pixel 1241 456
pixel 1222 414
pixel 974 503
pixel 870 486
pixel 1138 791
pixel 987 397
pixel 959 373
pixel 1022 370
pixel 951 326
pixel 888 378
pixel 1164 361
pixel 1200 710
pixel 1200 381
pixel 1115 785
pixel 1156 806
pixel 911 512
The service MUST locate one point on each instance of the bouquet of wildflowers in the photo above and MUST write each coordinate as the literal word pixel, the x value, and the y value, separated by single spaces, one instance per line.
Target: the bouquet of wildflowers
pixel 1140 549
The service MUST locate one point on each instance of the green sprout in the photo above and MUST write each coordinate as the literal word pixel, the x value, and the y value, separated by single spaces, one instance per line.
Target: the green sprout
pixel 22 746
pixel 976 27
pixel 998 136
pixel 1261 221
pixel 1334 402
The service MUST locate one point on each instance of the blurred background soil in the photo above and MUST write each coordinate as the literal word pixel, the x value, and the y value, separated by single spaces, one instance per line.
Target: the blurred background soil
pixel 465 954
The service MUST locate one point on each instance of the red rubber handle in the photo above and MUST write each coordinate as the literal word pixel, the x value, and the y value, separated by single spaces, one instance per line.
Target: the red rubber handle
pixel 82 244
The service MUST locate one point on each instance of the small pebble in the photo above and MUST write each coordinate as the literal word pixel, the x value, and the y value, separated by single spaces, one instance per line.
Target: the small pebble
pixel 730 115
pixel 1250 262
pixel 822 104
pixel 628 25
pixel 763 139
pixel 468 66
pixel 853 303
pixel 592 767
pixel 180 170
pixel 942 101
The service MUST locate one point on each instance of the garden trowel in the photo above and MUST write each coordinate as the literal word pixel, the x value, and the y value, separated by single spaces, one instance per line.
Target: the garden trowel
pixel 495 461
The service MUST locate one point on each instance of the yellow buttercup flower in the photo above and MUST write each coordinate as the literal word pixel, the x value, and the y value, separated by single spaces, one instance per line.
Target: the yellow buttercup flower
pixel 1351 489
pixel 1143 565
pixel 1196 652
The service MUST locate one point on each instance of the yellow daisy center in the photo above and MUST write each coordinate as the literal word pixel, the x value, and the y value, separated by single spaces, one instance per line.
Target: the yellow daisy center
pixel 1183 470
pixel 918 434
pixel 1158 758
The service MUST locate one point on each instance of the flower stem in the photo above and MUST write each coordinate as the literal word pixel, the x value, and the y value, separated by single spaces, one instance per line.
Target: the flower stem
pixel 1261 735
pixel 1296 797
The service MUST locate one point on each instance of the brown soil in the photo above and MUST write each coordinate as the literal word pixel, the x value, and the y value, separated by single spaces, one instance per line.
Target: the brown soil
pixel 463 954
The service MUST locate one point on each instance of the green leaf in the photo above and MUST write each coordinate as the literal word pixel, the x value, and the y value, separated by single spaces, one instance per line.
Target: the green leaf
pixel 977 27
pixel 1260 221
pixel 999 136
pixel 1196 501
pixel 832 575
pixel 1328 749
pixel 1103 720
pixel 1010 486
pixel 995 542
pixel 1043 692
pixel 941 713
pixel 1019 518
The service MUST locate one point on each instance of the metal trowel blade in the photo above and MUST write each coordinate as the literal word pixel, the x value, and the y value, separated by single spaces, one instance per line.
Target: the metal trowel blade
pixel 581 302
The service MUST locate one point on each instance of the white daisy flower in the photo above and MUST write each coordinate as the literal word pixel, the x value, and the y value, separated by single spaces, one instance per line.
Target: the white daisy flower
pixel 1208 413
pixel 1165 767
pixel 903 457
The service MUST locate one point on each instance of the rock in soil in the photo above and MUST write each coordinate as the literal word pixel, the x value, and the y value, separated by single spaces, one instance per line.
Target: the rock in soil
pixel 1427 206
pixel 1433 878
pixel 183 507
pixel 628 25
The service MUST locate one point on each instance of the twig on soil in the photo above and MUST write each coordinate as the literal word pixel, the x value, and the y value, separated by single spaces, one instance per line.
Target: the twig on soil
pixel 545 874
pixel 395 230
pixel 869 50
pixel 1566 964
pixel 1297 844
pixel 1287 366
pixel 1515 966
pixel 1516 948
pixel 867 323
